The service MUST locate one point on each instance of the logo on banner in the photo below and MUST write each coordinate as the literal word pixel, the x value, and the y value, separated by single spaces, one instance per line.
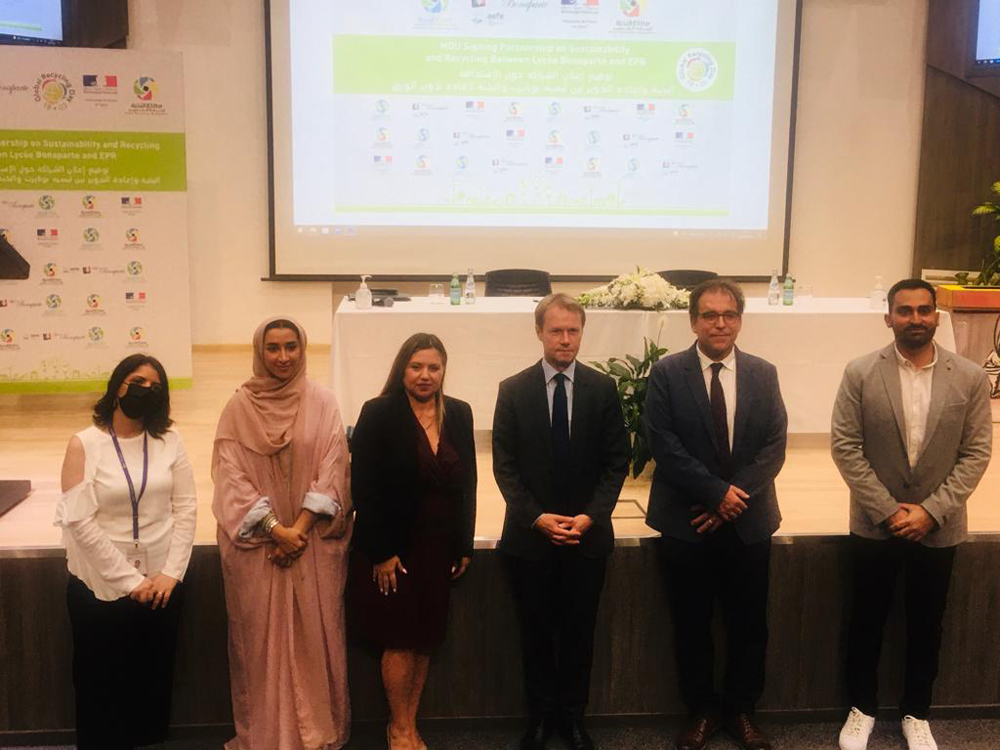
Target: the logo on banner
pixel 54 91
pixel 50 270
pixel 633 8
pixel 435 6
pixel 423 163
pixel 46 203
pixel 137 335
pixel 697 70
pixel 95 334
pixel 134 268
pixel 145 88
pixel 594 137
pixel 132 236
pixel 593 164
pixel 381 106
pixel 555 108
pixel 91 235
pixel 7 336
pixel 100 82
pixel 633 165
pixel 89 203
pixel 93 302
pixel 514 109
pixel 47 236
pixel 135 298
pixel 53 302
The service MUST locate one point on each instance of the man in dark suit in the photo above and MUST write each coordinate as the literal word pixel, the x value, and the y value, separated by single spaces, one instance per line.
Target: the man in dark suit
pixel 716 427
pixel 560 456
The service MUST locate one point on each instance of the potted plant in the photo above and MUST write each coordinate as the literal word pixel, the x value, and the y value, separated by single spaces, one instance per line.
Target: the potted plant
pixel 981 292
pixel 631 375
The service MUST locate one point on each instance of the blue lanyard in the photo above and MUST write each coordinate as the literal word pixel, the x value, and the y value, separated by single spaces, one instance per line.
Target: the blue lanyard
pixel 128 479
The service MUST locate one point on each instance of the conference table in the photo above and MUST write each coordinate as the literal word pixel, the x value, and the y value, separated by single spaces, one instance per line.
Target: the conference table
pixel 809 342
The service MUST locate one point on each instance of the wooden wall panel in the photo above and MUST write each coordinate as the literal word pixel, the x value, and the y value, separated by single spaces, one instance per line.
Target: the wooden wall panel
pixel 959 160
pixel 477 674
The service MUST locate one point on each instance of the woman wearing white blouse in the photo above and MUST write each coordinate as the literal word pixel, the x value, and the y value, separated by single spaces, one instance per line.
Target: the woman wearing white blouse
pixel 128 518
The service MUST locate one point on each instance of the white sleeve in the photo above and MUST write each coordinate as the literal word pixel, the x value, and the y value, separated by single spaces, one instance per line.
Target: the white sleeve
pixel 76 513
pixel 184 505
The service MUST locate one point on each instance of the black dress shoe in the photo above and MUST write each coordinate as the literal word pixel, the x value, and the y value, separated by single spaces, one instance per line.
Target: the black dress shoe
pixel 537 734
pixel 575 734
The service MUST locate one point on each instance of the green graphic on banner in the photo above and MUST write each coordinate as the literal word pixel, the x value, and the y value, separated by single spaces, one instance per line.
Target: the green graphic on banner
pixel 459 66
pixel 74 386
pixel 85 160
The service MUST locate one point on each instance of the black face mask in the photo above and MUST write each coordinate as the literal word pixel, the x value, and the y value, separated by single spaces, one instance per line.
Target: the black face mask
pixel 140 401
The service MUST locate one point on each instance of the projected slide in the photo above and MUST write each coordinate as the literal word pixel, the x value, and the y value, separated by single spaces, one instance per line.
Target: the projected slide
pixel 521 116
pixel 988 38
pixel 31 19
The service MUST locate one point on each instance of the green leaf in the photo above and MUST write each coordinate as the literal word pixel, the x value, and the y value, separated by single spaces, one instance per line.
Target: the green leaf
pixel 635 362
pixel 616 369
pixel 986 209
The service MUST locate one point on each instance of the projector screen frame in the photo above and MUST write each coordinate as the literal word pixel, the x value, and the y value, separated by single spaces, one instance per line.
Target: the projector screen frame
pixel 273 274
pixel 974 68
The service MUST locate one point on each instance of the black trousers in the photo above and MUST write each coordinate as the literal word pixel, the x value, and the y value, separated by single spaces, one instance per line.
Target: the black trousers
pixel 927 573
pixel 719 566
pixel 123 668
pixel 556 600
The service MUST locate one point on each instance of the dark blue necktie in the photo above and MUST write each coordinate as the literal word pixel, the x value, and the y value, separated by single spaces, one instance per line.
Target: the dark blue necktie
pixel 560 433
pixel 719 417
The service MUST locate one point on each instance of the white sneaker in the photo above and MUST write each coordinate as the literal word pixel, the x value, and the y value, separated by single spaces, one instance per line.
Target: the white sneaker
pixel 857 729
pixel 918 734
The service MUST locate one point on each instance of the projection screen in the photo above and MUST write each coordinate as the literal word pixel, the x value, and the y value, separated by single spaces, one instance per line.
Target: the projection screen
pixel 418 138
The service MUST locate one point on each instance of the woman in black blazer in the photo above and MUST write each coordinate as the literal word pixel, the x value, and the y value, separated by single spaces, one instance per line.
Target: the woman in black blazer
pixel 413 478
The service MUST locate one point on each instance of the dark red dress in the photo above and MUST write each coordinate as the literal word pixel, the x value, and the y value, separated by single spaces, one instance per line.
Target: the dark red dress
pixel 416 614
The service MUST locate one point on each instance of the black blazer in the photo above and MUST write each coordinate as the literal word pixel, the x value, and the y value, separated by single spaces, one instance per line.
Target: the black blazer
pixel 681 434
pixel 385 475
pixel 522 459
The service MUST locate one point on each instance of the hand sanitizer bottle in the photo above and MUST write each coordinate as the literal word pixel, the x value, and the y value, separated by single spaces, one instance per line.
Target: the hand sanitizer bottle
pixel 456 290
pixel 877 298
pixel 363 297
pixel 470 289
pixel 774 289
pixel 788 290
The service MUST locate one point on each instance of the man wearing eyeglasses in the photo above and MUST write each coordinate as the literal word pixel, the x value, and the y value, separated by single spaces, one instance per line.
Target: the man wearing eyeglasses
pixel 716 426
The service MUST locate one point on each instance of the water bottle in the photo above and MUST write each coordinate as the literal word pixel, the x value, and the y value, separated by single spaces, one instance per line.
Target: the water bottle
pixel 774 289
pixel 788 291
pixel 363 297
pixel 877 298
pixel 470 289
pixel 456 290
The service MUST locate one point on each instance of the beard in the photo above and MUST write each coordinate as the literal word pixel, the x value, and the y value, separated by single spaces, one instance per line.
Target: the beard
pixel 915 337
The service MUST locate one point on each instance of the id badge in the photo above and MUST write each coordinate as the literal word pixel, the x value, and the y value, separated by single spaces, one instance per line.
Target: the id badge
pixel 136 557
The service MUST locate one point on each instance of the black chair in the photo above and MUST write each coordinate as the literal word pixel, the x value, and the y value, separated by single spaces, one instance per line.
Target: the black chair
pixel 517 282
pixel 687 278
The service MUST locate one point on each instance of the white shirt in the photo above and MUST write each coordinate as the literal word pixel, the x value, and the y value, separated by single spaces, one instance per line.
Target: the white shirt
pixel 96 515
pixel 550 388
pixel 915 384
pixel 727 377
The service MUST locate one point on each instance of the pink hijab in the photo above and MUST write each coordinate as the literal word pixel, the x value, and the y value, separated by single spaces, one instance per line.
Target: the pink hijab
pixel 261 414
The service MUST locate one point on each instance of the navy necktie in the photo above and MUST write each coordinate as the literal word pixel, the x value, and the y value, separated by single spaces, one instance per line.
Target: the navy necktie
pixel 719 417
pixel 560 431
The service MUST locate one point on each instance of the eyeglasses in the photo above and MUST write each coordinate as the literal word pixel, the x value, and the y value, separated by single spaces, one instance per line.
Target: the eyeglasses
pixel 729 316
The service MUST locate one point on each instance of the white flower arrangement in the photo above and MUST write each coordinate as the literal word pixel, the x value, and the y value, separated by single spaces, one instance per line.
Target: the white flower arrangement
pixel 642 290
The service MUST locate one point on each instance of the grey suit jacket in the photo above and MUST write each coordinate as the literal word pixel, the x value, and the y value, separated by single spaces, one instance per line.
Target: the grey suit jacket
pixel 868 440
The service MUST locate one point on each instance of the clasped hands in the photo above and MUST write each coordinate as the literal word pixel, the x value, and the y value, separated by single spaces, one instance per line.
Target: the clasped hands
pixel 911 522
pixel 563 530
pixel 732 505
pixel 154 591
pixel 289 542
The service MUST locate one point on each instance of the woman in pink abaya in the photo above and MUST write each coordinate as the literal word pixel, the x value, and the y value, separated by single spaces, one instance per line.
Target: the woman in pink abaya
pixel 281 499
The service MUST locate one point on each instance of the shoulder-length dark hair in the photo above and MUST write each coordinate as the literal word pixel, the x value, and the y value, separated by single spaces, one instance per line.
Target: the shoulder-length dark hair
pixel 417 342
pixel 104 409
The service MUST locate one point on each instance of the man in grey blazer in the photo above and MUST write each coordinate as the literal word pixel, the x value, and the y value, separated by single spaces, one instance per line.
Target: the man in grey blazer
pixel 911 435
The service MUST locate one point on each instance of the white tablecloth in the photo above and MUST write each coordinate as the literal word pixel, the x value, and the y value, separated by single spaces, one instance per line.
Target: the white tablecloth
pixel 809 342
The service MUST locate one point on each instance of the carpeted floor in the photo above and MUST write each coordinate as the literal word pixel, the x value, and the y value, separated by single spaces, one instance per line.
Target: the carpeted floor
pixel 951 734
